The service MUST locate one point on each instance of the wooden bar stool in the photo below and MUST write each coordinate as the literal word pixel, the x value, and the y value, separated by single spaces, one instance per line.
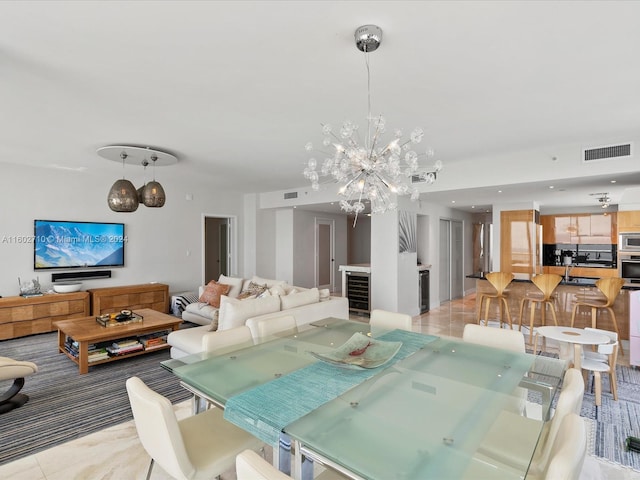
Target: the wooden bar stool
pixel 610 288
pixel 546 284
pixel 500 281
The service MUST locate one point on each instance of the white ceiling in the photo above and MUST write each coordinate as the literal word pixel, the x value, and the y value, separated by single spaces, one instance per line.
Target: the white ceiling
pixel 236 88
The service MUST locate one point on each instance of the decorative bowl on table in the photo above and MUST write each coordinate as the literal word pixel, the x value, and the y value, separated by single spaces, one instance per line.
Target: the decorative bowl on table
pixel 360 351
pixel 67 287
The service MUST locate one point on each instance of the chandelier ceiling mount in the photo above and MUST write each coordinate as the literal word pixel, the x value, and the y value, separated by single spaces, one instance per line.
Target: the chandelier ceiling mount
pixel 369 168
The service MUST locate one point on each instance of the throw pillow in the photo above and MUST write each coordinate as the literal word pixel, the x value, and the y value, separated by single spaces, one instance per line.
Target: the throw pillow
pixel 301 298
pixel 234 312
pixel 325 295
pixel 212 292
pixel 252 290
pixel 277 290
pixel 235 282
pixel 213 326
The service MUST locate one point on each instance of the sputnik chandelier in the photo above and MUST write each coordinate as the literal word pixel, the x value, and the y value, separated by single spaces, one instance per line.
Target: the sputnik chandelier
pixel 371 169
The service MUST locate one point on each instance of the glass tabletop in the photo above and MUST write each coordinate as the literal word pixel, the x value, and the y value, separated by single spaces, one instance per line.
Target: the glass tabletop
pixel 219 377
pixel 426 416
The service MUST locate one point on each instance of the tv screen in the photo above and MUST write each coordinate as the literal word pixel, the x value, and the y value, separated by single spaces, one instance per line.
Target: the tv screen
pixel 62 244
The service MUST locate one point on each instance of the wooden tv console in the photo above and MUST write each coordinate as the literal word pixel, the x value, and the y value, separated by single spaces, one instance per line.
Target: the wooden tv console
pixel 21 316
pixel 130 297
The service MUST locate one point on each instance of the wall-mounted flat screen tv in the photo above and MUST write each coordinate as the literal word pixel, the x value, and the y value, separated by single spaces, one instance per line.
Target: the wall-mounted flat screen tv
pixel 63 244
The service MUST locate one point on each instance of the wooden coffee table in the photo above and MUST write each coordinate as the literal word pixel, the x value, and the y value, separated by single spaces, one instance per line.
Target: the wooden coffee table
pixel 87 330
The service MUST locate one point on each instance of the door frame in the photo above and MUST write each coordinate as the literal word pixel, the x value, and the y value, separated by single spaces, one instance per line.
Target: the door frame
pixel 232 239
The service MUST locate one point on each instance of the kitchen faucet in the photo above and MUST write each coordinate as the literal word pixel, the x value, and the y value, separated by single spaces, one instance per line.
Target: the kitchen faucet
pixel 567 271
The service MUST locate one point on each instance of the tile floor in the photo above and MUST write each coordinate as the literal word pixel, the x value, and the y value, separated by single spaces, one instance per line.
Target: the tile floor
pixel 115 452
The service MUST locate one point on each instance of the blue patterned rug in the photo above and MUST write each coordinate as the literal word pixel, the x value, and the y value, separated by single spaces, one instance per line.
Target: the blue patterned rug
pixel 616 420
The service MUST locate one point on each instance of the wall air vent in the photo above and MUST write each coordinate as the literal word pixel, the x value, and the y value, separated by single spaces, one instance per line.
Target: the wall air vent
pixel 611 151
pixel 290 195
pixel 417 179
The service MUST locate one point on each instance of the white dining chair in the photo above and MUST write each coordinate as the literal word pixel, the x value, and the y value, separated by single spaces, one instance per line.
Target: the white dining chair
pixel 267 328
pixel 504 441
pixel 568 452
pixel 382 320
pixel 224 341
pixel 602 361
pixel 494 337
pixel 251 466
pixel 512 340
pixel 200 446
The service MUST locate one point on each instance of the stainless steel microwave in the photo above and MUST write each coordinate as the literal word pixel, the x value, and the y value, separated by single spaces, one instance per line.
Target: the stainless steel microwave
pixel 629 242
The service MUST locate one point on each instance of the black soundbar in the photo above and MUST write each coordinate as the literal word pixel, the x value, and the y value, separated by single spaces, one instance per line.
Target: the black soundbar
pixel 55 277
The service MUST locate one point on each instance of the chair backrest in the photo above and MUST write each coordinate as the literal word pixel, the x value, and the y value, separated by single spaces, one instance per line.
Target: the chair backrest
pixel 499 280
pixel 569 402
pixel 158 429
pixel 268 327
pixel 569 449
pixel 610 288
pixel 494 337
pixel 383 320
pixel 251 466
pixel 546 283
pixel 223 341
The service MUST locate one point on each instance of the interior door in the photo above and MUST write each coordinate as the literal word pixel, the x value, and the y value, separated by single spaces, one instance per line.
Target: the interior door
pixel 218 242
pixel 451 281
pixel 444 280
pixel 324 255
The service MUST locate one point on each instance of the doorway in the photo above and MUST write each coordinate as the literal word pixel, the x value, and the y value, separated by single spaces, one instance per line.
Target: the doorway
pixel 451 282
pixel 324 254
pixel 218 247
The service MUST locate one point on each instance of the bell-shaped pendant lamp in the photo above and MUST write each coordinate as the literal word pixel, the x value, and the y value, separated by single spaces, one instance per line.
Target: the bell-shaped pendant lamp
pixel 122 195
pixel 153 194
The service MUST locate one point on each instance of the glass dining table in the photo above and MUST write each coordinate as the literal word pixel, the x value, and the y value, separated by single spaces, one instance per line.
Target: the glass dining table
pixel 422 414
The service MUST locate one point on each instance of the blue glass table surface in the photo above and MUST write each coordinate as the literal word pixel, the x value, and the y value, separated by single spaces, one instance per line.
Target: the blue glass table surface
pixel 426 416
pixel 435 404
pixel 219 377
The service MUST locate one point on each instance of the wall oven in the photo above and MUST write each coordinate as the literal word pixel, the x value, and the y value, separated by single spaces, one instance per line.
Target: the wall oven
pixel 629 242
pixel 630 268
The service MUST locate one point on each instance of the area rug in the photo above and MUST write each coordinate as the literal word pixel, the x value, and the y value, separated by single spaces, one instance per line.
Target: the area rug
pixel 64 405
pixel 616 420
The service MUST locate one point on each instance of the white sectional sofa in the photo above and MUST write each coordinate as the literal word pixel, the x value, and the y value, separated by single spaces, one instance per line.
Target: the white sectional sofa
pixel 305 305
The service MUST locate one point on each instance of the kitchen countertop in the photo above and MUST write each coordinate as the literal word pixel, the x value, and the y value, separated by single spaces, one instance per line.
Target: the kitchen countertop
pixel 577 281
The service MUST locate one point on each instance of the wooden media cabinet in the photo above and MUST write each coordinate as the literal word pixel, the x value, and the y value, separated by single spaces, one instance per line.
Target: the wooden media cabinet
pixel 21 316
pixel 130 297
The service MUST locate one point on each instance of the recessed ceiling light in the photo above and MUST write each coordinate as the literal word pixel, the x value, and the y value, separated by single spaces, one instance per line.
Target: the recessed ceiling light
pixel 473 206
pixel 499 191
pixel 613 181
pixel 453 201
pixel 551 187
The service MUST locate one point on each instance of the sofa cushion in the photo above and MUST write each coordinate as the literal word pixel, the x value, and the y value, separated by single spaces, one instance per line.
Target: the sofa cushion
pixel 188 340
pixel 202 309
pixel 234 313
pixel 235 282
pixel 212 293
pixel 300 298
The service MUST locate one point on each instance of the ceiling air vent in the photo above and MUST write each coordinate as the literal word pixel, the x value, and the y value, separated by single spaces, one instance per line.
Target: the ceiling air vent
pixel 417 179
pixel 610 151
pixel 290 195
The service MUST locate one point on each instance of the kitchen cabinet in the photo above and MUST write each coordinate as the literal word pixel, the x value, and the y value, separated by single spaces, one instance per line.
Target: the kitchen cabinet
pixel 580 228
pixel 628 221
pixel 520 242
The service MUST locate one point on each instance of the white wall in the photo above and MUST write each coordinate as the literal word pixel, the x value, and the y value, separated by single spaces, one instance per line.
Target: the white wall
pixel 164 244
